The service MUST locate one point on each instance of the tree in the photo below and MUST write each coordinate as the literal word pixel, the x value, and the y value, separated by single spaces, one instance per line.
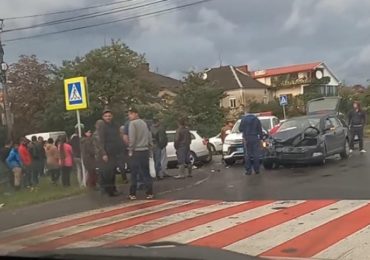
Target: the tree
pixel 349 95
pixel 113 79
pixel 30 81
pixel 199 102
pixel 273 106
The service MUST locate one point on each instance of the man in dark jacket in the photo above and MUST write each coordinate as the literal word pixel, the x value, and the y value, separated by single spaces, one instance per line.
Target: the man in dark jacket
pixel 76 150
pixel 107 148
pixel 159 143
pixel 40 147
pixel 4 170
pixel 251 128
pixel 357 121
pixel 182 146
pixel 88 155
pixel 37 159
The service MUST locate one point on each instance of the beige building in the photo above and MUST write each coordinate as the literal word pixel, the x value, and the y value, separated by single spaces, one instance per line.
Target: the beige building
pixel 299 79
pixel 240 88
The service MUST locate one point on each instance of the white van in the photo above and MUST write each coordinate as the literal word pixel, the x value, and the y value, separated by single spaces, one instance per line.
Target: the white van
pixel 48 135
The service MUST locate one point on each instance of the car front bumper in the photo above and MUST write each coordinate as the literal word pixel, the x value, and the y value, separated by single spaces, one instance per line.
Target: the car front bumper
pixel 233 151
pixel 295 155
pixel 236 152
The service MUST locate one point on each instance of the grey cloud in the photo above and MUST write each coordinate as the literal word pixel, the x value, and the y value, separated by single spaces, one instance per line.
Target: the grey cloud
pixel 261 33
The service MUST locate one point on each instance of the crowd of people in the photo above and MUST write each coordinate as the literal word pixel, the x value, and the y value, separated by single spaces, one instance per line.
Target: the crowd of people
pixel 98 156
pixel 29 160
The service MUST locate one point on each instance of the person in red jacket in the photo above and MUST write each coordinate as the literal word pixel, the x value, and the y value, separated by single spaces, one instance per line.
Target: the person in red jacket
pixel 26 162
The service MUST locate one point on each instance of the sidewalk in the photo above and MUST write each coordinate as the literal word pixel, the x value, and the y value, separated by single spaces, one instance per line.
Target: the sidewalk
pixel 93 200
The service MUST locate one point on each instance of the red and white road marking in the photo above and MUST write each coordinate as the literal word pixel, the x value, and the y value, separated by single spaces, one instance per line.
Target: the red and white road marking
pixel 322 229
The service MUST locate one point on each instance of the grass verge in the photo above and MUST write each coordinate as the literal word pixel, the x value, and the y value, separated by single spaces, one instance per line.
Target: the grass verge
pixel 45 192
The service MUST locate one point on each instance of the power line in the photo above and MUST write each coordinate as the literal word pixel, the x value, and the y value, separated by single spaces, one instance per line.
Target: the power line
pixel 85 16
pixel 67 11
pixel 110 22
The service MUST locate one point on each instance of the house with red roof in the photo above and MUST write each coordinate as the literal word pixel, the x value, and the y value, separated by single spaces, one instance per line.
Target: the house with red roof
pixel 298 79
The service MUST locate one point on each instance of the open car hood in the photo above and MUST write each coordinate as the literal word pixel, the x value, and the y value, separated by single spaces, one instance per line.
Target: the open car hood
pixel 323 105
pixel 287 136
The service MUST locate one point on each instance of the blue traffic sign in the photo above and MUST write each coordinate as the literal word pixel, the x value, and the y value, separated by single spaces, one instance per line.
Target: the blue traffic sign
pixel 75 93
pixel 283 100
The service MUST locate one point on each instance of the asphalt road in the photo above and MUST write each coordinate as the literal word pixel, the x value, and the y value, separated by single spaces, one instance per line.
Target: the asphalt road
pixel 338 179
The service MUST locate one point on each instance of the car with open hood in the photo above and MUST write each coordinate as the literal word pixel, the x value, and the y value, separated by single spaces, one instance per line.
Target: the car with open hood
pixel 311 138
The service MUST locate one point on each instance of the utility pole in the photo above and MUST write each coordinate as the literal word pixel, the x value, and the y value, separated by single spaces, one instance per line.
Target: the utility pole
pixel 7 119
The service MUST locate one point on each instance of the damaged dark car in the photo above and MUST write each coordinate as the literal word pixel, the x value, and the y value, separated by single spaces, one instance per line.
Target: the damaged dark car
pixel 310 139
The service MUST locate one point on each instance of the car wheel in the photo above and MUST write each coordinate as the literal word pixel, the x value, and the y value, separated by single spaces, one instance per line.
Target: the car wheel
pixel 345 153
pixel 229 162
pixel 268 165
pixel 193 158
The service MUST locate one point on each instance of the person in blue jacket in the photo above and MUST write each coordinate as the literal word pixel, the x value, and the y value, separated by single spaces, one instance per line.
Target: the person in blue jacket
pixel 251 128
pixel 14 163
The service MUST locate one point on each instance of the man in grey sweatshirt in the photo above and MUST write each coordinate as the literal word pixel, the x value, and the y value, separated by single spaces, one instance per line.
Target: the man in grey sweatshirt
pixel 139 150
pixel 357 121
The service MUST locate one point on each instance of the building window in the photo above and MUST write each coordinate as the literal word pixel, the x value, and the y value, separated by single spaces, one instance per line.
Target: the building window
pixel 331 91
pixel 323 90
pixel 232 102
pixel 328 90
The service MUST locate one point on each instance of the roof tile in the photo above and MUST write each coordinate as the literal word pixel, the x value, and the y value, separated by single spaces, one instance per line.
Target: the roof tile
pixel 285 70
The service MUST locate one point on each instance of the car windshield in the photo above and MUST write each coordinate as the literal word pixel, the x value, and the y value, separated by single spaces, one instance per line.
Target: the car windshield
pixel 299 123
pixel 97 98
pixel 266 125
pixel 235 129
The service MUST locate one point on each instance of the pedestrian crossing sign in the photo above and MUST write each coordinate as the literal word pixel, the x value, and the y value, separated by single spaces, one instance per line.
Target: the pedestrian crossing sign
pixel 283 100
pixel 75 91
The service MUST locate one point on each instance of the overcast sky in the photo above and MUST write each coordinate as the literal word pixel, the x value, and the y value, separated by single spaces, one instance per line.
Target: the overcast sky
pixel 260 33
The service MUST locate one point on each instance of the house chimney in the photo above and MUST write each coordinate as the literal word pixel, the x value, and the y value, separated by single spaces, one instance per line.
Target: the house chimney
pixel 244 68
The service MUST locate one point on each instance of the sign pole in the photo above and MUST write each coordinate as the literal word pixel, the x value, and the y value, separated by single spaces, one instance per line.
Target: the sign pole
pixel 84 174
pixel 76 98
pixel 79 123
pixel 283 100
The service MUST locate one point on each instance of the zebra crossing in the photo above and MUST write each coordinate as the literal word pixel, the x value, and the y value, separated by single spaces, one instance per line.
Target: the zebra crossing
pixel 318 229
